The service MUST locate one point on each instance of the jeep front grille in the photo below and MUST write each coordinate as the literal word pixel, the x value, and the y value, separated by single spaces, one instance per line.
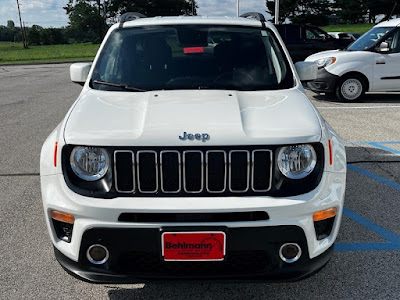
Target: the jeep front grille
pixel 192 172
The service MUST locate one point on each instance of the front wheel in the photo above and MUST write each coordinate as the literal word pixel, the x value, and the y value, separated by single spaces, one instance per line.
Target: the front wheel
pixel 350 88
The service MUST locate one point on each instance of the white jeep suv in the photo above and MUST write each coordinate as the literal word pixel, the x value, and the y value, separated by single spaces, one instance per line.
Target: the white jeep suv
pixel 184 158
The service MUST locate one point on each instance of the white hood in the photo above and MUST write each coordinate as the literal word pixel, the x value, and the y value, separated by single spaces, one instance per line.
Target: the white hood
pixel 324 54
pixel 158 118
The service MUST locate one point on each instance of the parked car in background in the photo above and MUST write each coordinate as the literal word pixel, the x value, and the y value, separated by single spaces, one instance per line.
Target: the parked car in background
pixel 371 63
pixel 342 35
pixel 355 35
pixel 303 40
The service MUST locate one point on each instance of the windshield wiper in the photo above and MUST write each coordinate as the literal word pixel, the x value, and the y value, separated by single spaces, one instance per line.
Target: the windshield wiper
pixel 124 87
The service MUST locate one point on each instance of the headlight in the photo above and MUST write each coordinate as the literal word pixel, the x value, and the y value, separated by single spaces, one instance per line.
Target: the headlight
pixel 296 162
pixel 324 62
pixel 89 163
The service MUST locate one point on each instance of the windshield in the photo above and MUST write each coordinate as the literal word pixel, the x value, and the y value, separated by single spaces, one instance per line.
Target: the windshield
pixel 368 39
pixel 191 57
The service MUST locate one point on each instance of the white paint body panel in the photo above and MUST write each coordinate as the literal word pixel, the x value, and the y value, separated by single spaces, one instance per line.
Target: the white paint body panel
pixel 79 72
pixel 158 118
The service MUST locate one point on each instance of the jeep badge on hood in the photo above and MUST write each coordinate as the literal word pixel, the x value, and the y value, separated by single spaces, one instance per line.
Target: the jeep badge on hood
pixel 194 136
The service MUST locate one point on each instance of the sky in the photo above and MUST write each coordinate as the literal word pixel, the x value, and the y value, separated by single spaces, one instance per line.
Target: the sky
pixel 50 13
pixel 46 13
pixel 228 7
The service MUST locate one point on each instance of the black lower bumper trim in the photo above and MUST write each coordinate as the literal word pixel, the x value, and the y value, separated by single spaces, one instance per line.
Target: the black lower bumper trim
pixel 324 83
pixel 252 253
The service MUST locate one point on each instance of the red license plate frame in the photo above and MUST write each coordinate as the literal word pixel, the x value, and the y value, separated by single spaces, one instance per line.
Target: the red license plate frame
pixel 193 246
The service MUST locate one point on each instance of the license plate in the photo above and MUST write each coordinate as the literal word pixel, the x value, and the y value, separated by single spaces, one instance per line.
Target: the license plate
pixel 193 246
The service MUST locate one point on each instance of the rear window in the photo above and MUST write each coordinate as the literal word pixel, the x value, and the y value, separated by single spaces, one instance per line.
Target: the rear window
pixel 192 57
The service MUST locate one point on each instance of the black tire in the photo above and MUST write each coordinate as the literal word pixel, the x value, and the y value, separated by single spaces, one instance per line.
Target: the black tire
pixel 350 88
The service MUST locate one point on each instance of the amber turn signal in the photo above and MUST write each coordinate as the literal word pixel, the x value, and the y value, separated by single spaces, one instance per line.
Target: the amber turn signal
pixel 62 217
pixel 325 214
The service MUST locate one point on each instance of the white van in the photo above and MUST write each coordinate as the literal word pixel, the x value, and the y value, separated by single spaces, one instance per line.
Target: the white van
pixel 370 64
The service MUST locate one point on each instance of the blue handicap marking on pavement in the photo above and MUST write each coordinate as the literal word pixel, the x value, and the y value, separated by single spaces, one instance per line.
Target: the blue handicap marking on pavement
pixel 392 240
pixel 380 145
pixel 388 182
pixel 385 148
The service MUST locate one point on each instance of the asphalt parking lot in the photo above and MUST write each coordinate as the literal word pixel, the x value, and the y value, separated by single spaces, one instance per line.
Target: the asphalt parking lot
pixel 365 264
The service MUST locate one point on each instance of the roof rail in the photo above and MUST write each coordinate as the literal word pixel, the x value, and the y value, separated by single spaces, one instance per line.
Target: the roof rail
pixel 130 16
pixel 254 15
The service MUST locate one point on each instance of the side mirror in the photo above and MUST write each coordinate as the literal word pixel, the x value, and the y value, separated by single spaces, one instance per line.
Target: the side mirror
pixel 79 72
pixel 384 47
pixel 307 70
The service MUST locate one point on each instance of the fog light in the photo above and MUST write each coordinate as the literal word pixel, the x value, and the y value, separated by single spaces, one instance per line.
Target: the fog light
pixel 290 252
pixel 63 230
pixel 63 225
pixel 97 254
pixel 323 228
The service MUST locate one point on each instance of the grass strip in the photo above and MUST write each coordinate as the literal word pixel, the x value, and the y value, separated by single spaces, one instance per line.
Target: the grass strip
pixel 356 28
pixel 14 53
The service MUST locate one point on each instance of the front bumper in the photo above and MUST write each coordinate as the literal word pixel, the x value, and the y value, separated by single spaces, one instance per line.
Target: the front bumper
pixel 96 221
pixel 251 253
pixel 324 83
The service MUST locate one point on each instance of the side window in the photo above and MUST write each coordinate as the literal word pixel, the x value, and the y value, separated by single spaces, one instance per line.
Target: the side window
pixel 344 36
pixel 310 35
pixel 394 41
pixel 313 34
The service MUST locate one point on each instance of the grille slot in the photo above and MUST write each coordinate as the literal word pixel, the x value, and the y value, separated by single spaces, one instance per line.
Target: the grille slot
pixel 239 171
pixel 216 171
pixel 147 171
pixel 184 172
pixel 170 165
pixel 261 179
pixel 124 163
pixel 193 176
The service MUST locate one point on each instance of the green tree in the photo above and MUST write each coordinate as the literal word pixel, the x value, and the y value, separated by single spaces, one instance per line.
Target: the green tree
pixel 287 8
pixel 313 11
pixel 45 37
pixel 154 8
pixel 302 11
pixel 385 7
pixel 351 11
pixel 33 35
pixel 10 24
pixel 89 19
pixel 86 21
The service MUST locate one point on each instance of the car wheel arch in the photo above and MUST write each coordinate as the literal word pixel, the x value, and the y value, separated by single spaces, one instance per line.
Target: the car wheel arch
pixel 357 73
pixel 349 75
